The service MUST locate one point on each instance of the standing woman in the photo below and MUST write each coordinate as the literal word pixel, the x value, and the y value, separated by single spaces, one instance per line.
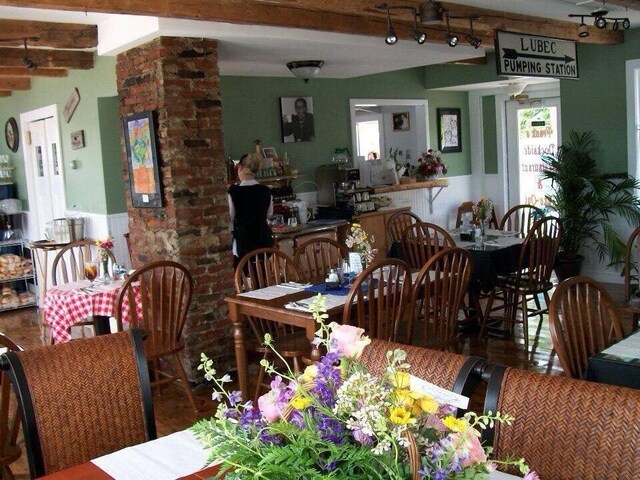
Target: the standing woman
pixel 249 205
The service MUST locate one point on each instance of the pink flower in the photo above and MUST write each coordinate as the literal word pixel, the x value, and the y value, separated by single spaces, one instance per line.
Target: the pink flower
pixel 531 475
pixel 468 446
pixel 348 340
pixel 269 407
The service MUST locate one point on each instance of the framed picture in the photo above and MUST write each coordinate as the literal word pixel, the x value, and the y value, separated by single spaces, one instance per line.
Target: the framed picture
pixel 269 152
pixel 449 139
pixel 297 119
pixel 401 122
pixel 70 106
pixel 142 158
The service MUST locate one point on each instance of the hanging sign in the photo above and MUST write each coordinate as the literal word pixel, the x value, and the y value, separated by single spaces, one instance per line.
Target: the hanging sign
pixel 534 56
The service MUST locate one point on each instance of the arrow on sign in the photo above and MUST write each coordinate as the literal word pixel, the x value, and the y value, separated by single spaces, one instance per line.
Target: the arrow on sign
pixel 512 54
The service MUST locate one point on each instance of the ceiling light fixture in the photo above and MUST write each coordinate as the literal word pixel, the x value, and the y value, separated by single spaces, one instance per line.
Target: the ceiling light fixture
pixel 469 37
pixel 449 37
pixel 29 63
pixel 601 21
pixel 305 69
pixel 391 38
pixel 418 36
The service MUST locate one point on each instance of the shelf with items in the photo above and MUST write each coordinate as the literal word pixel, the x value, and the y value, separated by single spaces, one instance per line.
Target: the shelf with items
pixel 16 265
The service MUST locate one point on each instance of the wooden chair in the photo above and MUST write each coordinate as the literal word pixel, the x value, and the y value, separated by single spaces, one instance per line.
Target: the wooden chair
pixel 437 298
pixel 457 373
pixel 395 226
pixel 467 207
pixel 631 303
pixel 565 428
pixel 9 417
pixel 82 399
pixel 421 241
pixel 317 256
pixel 583 321
pixel 520 219
pixel 164 290
pixel 377 298
pixel 68 264
pixel 259 269
pixel 537 255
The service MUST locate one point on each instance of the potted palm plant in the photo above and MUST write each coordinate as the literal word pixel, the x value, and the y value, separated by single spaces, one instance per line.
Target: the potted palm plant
pixel 586 202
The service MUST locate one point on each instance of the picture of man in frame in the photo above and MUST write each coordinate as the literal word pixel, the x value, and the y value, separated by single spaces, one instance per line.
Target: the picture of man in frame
pixel 298 126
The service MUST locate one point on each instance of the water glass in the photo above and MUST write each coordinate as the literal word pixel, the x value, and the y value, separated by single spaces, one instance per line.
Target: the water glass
pixel 292 222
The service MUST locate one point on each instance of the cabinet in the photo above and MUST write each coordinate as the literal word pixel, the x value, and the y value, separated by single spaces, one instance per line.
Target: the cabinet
pixel 374 223
pixel 16 267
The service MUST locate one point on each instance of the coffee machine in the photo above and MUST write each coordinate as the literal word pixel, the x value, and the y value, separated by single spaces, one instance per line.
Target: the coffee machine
pixel 339 189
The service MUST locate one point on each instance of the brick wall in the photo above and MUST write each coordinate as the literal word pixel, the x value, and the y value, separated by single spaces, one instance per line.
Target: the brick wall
pixel 178 79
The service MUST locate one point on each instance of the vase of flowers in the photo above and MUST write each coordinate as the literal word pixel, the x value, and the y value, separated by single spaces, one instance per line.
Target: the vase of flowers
pixel 104 245
pixel 430 165
pixel 483 211
pixel 361 241
pixel 336 421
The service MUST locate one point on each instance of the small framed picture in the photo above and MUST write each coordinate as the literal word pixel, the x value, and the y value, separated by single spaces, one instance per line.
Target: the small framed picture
pixel 401 122
pixel 269 152
pixel 449 138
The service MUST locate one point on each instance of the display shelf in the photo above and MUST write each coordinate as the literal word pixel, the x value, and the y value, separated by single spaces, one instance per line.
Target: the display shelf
pixel 17 306
pixel 10 286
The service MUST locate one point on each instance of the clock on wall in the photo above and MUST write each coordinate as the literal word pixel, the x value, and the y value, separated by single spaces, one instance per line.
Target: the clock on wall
pixel 11 134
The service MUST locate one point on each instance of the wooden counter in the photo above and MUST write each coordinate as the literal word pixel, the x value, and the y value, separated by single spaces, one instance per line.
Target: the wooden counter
pixel 287 242
pixel 437 183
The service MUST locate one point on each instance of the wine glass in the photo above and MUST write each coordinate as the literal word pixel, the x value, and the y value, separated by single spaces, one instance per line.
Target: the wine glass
pixel 90 270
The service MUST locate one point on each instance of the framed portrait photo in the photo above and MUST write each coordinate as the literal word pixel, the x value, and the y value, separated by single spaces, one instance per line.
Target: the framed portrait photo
pixel 401 122
pixel 142 159
pixel 269 152
pixel 449 138
pixel 297 119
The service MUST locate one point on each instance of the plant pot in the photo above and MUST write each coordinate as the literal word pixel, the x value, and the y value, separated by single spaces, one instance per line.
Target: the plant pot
pixel 567 267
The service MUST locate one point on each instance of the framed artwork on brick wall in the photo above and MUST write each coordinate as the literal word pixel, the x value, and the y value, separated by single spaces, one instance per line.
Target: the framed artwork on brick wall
pixel 142 159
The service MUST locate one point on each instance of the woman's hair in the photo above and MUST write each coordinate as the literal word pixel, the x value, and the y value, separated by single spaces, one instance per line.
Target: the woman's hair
pixel 252 161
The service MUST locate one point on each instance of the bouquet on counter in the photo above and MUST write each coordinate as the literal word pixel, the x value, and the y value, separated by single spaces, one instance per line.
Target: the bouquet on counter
pixel 338 421
pixel 361 241
pixel 431 165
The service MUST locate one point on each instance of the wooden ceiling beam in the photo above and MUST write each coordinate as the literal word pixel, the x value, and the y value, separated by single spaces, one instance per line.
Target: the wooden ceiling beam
pixel 10 83
pixel 52 35
pixel 13 57
pixel 38 72
pixel 353 17
pixel 5 93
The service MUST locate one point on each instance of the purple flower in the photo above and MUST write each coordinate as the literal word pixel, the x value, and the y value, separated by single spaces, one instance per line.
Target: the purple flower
pixel 296 419
pixel 330 429
pixel 531 475
pixel 235 397
pixel 362 438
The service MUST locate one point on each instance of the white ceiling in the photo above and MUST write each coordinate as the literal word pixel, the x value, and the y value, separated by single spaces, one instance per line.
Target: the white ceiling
pixel 251 50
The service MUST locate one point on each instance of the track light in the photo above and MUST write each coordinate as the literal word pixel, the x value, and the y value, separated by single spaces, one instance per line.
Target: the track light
pixel 583 30
pixel 600 22
pixel 28 62
pixel 470 37
pixel 449 37
pixel 626 24
pixel 418 36
pixel 391 37
pixel 615 26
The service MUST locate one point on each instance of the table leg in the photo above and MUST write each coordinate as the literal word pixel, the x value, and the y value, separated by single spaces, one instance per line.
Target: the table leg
pixel 474 312
pixel 237 322
pixel 101 325
pixel 315 354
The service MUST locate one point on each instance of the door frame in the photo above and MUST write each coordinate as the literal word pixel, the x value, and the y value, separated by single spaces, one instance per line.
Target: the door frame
pixel 25 119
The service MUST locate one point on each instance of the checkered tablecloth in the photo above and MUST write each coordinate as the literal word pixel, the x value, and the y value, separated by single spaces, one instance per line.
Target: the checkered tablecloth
pixel 67 305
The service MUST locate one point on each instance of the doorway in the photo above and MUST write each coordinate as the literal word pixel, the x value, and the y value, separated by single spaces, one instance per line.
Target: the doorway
pixel 44 169
pixel 533 129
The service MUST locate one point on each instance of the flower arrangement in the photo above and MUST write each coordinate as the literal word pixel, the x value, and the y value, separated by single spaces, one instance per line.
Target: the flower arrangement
pixel 431 164
pixel 359 240
pixel 337 421
pixel 104 245
pixel 482 210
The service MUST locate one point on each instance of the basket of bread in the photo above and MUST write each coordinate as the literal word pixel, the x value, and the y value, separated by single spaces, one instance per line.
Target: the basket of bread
pixel 14 266
pixel 10 298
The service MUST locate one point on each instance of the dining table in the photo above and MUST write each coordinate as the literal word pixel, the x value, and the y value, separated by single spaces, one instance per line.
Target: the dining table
pixel 618 364
pixel 72 303
pixel 173 457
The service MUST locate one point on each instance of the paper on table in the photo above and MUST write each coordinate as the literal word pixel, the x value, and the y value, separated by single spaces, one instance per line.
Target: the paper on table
pixel 72 285
pixel 332 301
pixel 629 348
pixel 267 293
pixel 166 458
pixel 441 395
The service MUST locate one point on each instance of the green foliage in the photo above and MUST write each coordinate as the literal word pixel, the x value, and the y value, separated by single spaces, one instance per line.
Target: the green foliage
pixel 587 201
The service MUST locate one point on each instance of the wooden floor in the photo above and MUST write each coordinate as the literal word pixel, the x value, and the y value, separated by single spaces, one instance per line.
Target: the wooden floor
pixel 173 412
